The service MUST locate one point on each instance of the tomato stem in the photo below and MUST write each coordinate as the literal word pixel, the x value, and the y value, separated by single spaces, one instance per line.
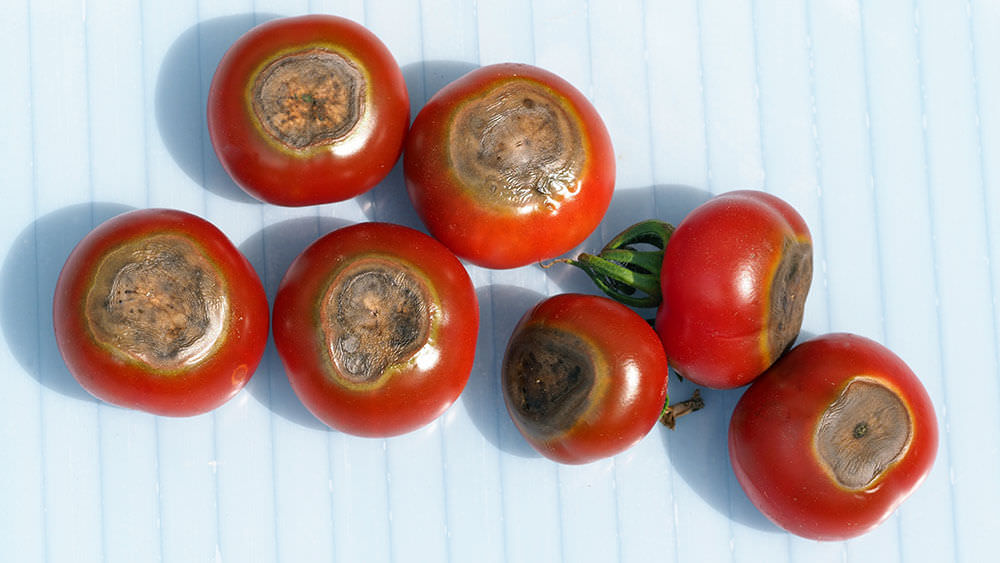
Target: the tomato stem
pixel 620 270
pixel 672 412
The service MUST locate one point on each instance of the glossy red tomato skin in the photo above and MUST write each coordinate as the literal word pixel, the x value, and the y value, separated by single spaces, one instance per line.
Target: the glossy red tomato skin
pixel 771 438
pixel 481 233
pixel 128 383
pixel 337 172
pixel 714 280
pixel 634 382
pixel 413 396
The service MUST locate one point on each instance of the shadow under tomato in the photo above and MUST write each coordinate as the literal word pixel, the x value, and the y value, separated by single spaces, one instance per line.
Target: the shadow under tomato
pixel 388 201
pixel 426 78
pixel 670 203
pixel 182 97
pixel 27 282
pixel 271 251
pixel 501 307
pixel 699 453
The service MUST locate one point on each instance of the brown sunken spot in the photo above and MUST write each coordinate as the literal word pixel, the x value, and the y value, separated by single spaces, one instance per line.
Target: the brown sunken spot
pixel 789 288
pixel 864 431
pixel 548 375
pixel 309 98
pixel 517 146
pixel 159 301
pixel 376 316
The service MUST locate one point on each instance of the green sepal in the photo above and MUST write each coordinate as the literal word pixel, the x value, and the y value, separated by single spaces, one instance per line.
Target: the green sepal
pixel 621 271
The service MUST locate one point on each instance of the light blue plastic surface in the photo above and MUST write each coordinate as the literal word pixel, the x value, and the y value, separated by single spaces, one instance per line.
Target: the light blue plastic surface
pixel 879 121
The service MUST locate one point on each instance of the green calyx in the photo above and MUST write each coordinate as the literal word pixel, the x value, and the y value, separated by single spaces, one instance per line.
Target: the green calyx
pixel 630 274
pixel 626 274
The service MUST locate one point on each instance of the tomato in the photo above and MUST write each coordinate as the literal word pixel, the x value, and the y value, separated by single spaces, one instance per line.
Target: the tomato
pixel 833 437
pixel 308 110
pixel 156 310
pixel 734 280
pixel 509 165
pixel 376 325
pixel 730 283
pixel 583 377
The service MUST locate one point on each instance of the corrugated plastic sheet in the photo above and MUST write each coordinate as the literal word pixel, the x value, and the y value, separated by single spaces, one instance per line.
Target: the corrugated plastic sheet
pixel 878 121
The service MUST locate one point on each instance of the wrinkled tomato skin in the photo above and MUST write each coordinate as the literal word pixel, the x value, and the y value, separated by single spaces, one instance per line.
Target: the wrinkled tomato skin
pixel 480 232
pixel 634 382
pixel 129 383
pixel 715 284
pixel 771 439
pixel 335 172
pixel 418 392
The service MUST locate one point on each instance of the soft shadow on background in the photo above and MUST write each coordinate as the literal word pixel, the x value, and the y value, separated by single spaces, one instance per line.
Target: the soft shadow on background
pixel 28 279
pixel 182 97
pixel 426 78
pixel 388 201
pixel 271 251
pixel 699 451
pixel 699 454
pixel 628 206
pixel 483 398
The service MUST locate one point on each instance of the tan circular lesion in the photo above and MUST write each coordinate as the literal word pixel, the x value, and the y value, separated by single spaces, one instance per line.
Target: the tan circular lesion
pixel 787 295
pixel 159 301
pixel 375 316
pixel 308 98
pixel 548 375
pixel 517 145
pixel 862 433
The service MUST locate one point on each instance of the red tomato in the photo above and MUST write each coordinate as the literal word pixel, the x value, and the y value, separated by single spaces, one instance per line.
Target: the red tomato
pixel 509 165
pixel 307 110
pixel 156 310
pixel 584 378
pixel 734 280
pixel 376 325
pixel 830 440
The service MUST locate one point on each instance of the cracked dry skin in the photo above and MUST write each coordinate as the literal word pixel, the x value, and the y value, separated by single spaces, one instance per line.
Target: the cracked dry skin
pixel 548 376
pixel 864 431
pixel 517 146
pixel 789 288
pixel 309 98
pixel 159 301
pixel 376 317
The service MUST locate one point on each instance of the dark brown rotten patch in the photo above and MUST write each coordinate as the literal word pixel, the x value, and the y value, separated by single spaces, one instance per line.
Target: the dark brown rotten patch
pixel 548 375
pixel 789 288
pixel 158 300
pixel 376 316
pixel 309 98
pixel 864 431
pixel 517 146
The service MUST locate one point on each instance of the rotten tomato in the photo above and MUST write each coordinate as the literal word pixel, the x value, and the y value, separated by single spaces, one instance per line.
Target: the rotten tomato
pixel 730 283
pixel 508 165
pixel 583 378
pixel 833 437
pixel 156 310
pixel 308 110
pixel 376 325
